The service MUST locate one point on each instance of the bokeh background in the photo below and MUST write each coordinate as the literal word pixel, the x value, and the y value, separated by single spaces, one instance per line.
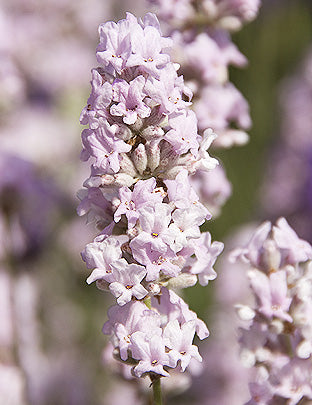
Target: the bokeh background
pixel 51 345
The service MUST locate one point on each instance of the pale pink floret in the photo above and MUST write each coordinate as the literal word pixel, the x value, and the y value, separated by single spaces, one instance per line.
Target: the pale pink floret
pixel 179 339
pixel 129 98
pixel 183 133
pixel 143 194
pixel 115 47
pixel 180 191
pixel 147 46
pixel 94 205
pixel 172 9
pixel 272 292
pixel 104 147
pixel 261 393
pixel 221 105
pixel 154 261
pixel 167 91
pixel 100 98
pixel 206 255
pixel 128 319
pixel 173 307
pixel 127 281
pixel 151 354
pixel 185 225
pixel 205 56
pixel 154 222
pixel 294 381
pixel 298 250
pixel 251 253
pixel 100 254
pixel 213 187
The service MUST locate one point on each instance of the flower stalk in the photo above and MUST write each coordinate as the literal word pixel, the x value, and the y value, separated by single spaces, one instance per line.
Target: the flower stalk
pixel 157 397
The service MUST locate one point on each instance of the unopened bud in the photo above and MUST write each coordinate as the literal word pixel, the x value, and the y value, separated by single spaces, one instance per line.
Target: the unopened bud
pixel 183 280
pixel 123 132
pixel 244 312
pixel 153 155
pixel 154 288
pixel 102 285
pixel 152 132
pixel 132 232
pixel 304 349
pixel 271 256
pixel 127 166
pixel 139 158
pixel 123 180
pixel 230 23
pixel 137 125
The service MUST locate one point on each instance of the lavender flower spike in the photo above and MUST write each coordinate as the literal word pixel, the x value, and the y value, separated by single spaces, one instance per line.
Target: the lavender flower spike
pixel 143 145
pixel 277 337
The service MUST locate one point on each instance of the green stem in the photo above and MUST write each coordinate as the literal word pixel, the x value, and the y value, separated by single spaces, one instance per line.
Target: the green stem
pixel 157 392
pixel 148 302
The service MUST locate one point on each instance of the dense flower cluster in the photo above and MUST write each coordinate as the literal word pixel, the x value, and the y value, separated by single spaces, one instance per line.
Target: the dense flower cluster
pixel 204 49
pixel 276 337
pixel 143 143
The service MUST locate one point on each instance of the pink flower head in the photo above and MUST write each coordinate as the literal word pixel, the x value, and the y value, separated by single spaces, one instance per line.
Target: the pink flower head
pixel 143 194
pixel 129 98
pixel 206 255
pixel 272 293
pixel 180 191
pixel 151 353
pixel 154 222
pixel 179 339
pixel 154 261
pixel 100 255
pixel 104 147
pixel 298 250
pixel 126 281
pixel 147 49
pixel 167 91
pixel 183 133
pixel 115 47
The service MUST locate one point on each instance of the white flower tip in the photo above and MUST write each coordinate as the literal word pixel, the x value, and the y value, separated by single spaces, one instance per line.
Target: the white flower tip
pixel 183 280
pixel 244 312
pixel 248 358
pixel 304 349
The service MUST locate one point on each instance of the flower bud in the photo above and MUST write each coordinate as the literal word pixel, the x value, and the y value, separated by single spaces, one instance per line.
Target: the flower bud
pixel 244 312
pixel 123 179
pixel 154 288
pixel 183 280
pixel 123 132
pixel 153 155
pixel 139 158
pixel 127 166
pixel 271 256
pixel 152 132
